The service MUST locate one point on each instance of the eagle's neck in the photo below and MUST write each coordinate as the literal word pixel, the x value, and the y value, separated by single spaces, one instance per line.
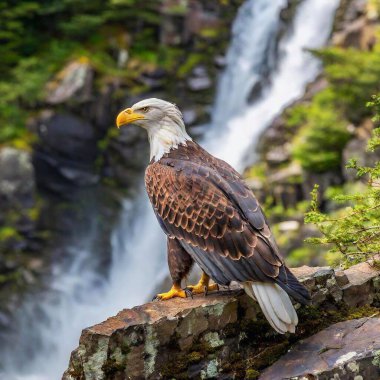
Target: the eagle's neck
pixel 166 136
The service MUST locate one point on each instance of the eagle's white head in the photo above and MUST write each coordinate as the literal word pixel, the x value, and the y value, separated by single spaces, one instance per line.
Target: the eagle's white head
pixel 163 122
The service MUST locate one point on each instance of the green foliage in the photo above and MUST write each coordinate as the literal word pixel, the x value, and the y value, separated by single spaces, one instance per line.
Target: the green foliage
pixel 8 233
pixel 279 212
pixel 257 171
pixel 23 89
pixel 375 105
pixel 319 143
pixel 252 374
pixel 353 232
pixel 374 5
pixel 191 61
pixel 375 141
pixel 38 37
pixel 353 76
pixel 298 257
pixel 296 115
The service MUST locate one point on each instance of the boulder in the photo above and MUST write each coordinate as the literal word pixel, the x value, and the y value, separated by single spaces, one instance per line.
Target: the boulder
pixel 224 335
pixel 348 12
pixel 220 61
pixel 199 79
pixel 360 34
pixel 64 158
pixel 199 83
pixel 127 156
pixel 346 350
pixel 16 178
pixel 73 82
pixel 101 111
pixel 278 155
pixel 154 79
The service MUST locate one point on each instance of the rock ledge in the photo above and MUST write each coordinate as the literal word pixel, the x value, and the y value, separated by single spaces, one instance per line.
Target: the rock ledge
pixel 224 335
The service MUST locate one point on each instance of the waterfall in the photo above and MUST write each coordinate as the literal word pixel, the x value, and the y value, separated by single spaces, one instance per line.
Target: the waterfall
pixel 139 258
pixel 243 123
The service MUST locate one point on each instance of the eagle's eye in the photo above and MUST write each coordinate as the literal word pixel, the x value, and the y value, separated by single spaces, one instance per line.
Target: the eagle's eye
pixel 145 109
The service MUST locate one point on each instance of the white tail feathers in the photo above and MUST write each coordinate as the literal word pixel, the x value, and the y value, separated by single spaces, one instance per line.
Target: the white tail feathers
pixel 275 304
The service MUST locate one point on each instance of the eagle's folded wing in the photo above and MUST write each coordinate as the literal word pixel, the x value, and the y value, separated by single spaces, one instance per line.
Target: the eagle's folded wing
pixel 216 219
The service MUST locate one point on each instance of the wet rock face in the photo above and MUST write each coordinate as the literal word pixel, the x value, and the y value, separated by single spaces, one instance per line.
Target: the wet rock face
pixel 17 200
pixel 16 178
pixel 20 235
pixel 65 156
pixel 127 156
pixel 346 350
pixel 225 335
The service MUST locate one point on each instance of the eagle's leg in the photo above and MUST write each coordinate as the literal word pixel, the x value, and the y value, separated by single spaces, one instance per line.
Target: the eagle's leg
pixel 203 285
pixel 180 263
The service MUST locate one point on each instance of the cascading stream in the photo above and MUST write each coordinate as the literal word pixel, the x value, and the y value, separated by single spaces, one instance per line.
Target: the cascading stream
pixel 139 258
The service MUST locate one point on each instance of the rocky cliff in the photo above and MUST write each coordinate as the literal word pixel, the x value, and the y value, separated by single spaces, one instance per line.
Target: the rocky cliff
pixel 224 335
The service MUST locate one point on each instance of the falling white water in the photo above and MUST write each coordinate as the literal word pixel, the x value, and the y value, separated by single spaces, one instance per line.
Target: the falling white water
pixel 250 57
pixel 139 262
pixel 297 67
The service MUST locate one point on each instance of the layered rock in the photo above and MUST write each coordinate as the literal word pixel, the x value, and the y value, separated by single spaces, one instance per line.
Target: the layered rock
pixel 223 335
pixel 344 351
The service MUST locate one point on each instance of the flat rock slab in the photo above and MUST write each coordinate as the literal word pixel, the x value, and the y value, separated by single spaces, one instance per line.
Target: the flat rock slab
pixel 343 351
pixel 153 312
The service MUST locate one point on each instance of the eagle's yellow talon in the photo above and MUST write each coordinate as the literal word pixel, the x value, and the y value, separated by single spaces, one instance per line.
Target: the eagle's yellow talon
pixel 203 286
pixel 175 291
pixel 202 289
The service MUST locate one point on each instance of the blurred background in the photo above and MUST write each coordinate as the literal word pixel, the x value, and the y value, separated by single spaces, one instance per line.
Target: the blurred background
pixel 276 88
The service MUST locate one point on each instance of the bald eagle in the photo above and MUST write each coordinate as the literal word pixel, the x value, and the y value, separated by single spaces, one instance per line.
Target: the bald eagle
pixel 211 217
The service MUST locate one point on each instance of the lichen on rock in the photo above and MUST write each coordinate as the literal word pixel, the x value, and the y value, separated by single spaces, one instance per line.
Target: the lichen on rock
pixel 225 335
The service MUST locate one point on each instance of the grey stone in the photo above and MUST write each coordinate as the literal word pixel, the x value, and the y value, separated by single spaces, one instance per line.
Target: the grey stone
pixel 65 157
pixel 16 177
pixel 322 276
pixel 74 81
pixel 343 351
pixel 341 278
pixel 199 83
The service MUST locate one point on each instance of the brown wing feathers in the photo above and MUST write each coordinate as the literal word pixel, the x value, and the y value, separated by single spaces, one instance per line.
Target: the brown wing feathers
pixel 198 212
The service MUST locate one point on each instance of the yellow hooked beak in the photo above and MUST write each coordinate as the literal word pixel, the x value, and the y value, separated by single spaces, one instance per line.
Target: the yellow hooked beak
pixel 128 116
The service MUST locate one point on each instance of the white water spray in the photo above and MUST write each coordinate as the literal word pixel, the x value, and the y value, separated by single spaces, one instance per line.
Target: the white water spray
pixel 83 298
